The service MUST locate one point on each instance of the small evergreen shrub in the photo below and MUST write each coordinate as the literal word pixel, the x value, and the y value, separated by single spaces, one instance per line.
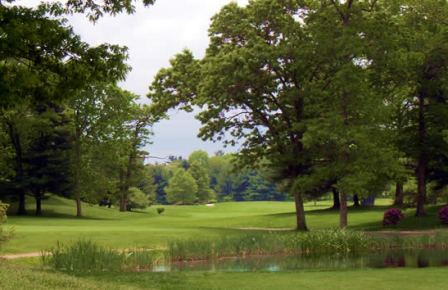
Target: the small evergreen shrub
pixel 160 210
pixel 443 215
pixel 392 217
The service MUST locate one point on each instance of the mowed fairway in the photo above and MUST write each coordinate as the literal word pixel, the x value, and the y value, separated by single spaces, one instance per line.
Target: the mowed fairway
pixel 150 230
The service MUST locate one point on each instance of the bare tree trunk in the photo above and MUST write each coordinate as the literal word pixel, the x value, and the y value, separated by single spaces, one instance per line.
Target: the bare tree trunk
pixel 399 195
pixel 130 167
pixel 78 207
pixel 421 189
pixel 22 202
pixel 336 200
pixel 20 190
pixel 123 202
pixel 422 159
pixel 300 212
pixel 77 172
pixel 343 212
pixel 38 198
pixel 356 200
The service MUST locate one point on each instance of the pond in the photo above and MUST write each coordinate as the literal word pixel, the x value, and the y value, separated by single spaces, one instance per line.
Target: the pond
pixel 385 259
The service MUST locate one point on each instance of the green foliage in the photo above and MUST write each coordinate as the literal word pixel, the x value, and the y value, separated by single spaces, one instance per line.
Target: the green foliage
pixel 160 210
pixel 4 235
pixel 94 9
pixel 138 199
pixel 182 188
pixel 68 62
pixel 198 171
pixel 200 157
pixel 217 178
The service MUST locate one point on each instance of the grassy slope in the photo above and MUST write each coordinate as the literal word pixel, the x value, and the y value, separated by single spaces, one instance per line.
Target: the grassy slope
pixel 19 277
pixel 148 229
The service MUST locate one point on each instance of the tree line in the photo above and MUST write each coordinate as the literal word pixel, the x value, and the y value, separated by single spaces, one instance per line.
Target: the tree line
pixel 203 179
pixel 323 96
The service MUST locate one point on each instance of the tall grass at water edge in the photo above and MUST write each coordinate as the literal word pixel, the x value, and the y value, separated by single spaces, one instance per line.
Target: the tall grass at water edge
pixel 86 256
pixel 323 242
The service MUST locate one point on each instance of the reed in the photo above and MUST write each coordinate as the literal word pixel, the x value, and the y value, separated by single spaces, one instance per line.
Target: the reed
pixel 85 256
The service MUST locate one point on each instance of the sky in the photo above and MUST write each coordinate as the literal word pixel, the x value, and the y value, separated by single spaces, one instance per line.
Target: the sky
pixel 153 35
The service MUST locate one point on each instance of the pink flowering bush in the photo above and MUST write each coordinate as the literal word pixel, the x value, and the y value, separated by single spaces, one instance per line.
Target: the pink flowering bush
pixel 443 215
pixel 392 217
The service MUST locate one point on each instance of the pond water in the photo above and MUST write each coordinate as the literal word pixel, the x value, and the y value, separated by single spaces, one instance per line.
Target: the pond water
pixel 386 259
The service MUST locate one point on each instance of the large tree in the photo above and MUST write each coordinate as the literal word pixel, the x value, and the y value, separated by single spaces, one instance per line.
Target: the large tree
pixel 346 135
pixel 47 160
pixel 427 112
pixel 138 132
pixel 101 114
pixel 250 85
pixel 272 69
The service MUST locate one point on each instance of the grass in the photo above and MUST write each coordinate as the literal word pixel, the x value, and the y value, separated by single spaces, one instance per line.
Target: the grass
pixel 151 230
pixel 13 277
pixel 200 224
pixel 85 256
pixel 291 243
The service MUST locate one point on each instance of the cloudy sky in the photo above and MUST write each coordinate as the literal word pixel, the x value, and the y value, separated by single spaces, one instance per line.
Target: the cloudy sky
pixel 153 35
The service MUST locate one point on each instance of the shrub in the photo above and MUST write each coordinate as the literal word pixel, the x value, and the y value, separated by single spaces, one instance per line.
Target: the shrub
pixel 137 199
pixel 4 235
pixel 160 210
pixel 392 217
pixel 443 215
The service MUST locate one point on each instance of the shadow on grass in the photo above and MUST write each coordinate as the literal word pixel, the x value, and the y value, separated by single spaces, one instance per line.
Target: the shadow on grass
pixel 330 211
pixel 410 222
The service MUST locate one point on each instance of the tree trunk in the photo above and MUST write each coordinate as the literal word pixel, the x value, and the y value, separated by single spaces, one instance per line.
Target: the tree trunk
pixel 15 140
pixel 77 172
pixel 38 198
pixel 336 200
pixel 123 204
pixel 356 200
pixel 123 190
pixel 421 189
pixel 399 195
pixel 130 166
pixel 343 212
pixel 422 158
pixel 22 201
pixel 300 212
pixel 78 207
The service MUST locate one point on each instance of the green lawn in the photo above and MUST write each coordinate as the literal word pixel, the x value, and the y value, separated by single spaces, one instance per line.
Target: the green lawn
pixel 13 277
pixel 148 229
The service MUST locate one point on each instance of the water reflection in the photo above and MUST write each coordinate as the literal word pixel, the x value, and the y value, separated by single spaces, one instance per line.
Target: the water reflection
pixel 386 259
